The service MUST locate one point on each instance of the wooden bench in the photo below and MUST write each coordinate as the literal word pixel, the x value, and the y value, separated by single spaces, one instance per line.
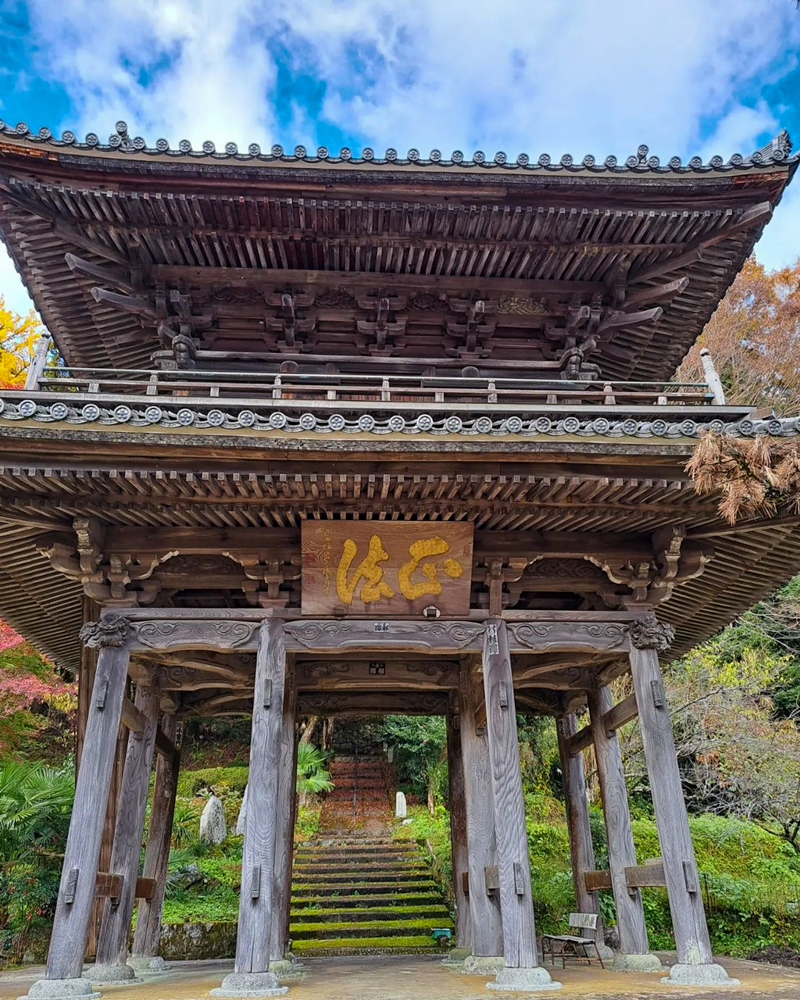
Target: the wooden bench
pixel 566 946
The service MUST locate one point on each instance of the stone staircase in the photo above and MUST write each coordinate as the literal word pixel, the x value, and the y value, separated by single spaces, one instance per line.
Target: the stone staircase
pixel 364 895
pixel 361 800
pixel 355 890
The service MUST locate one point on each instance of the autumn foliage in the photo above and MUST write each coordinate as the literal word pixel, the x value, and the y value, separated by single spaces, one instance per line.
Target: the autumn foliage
pixel 754 340
pixel 36 704
pixel 18 336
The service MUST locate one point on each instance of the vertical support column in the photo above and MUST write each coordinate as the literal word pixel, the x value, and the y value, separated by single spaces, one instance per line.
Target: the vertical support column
pixel 156 858
pixel 284 835
pixel 580 831
pixel 251 975
pixel 634 950
pixel 522 970
pixel 484 904
pixel 458 825
pixel 695 962
pixel 79 871
pixel 111 965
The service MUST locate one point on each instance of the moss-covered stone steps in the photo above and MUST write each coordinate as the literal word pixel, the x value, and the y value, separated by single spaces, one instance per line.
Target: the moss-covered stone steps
pixel 350 916
pixel 364 895
pixel 373 900
pixel 363 877
pixel 306 889
pixel 381 928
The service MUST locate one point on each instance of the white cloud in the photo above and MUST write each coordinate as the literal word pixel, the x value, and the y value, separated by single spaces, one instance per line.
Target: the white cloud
pixel 515 75
pixel 14 293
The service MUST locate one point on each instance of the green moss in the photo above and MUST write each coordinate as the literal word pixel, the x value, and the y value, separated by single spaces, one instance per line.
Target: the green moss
pixel 222 780
pixel 422 942
pixel 379 925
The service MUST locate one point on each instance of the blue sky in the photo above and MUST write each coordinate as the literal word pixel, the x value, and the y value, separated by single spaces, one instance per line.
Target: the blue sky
pixel 580 76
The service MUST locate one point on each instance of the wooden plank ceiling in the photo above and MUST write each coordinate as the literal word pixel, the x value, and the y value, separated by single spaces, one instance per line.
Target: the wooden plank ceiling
pixel 235 528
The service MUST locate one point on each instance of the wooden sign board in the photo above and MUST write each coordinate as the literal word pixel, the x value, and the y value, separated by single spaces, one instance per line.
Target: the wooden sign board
pixel 386 568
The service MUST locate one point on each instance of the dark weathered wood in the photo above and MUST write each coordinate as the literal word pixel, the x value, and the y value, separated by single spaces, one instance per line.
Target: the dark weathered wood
pixel 578 741
pixel 115 926
pixel 578 825
pixel 677 852
pixel 598 880
pixel 646 875
pixel 82 852
pixel 621 850
pixel 458 824
pixel 284 832
pixel 623 712
pixel 148 921
pixel 487 926
pixel 164 745
pixel 519 929
pixel 88 664
pixel 108 885
pixel 109 825
pixel 374 567
pixel 132 718
pixel 253 942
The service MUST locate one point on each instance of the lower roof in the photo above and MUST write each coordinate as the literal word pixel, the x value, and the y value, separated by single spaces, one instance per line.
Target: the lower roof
pixel 521 483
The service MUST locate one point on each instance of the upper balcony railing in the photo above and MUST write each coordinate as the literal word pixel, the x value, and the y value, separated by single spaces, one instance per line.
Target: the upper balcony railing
pixel 307 390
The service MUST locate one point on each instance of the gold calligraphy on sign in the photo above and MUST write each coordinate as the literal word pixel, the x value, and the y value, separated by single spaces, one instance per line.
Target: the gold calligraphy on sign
pixel 355 566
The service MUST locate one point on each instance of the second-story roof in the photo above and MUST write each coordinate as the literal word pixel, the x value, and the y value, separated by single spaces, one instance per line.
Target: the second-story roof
pixel 346 262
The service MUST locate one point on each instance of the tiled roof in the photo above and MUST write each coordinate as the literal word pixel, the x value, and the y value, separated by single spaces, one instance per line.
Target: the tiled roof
pixel 777 151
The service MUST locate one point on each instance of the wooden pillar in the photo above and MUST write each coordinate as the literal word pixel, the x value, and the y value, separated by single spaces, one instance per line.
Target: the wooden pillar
pixel 621 849
pixel 522 971
pixel 458 825
pixel 695 963
pixel 79 871
pixel 578 825
pixel 284 835
pixel 251 973
pixel 112 946
pixel 156 858
pixel 484 905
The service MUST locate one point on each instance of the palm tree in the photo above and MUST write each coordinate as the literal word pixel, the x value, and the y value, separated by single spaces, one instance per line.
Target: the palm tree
pixel 35 806
pixel 312 776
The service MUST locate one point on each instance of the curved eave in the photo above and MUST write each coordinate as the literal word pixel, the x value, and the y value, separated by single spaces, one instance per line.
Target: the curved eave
pixel 108 194
pixel 133 476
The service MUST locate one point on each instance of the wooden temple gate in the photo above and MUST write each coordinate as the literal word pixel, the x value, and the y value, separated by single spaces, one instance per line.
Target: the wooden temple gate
pixel 316 411
pixel 473 668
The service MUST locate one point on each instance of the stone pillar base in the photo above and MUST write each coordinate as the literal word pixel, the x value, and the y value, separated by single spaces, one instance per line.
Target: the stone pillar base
pixel 710 974
pixel 523 981
pixel 456 956
pixel 250 984
pixel 111 974
pixel 637 963
pixel 61 989
pixel 148 963
pixel 483 965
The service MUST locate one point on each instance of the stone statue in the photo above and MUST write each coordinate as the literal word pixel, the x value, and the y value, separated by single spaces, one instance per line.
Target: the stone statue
pixel 212 822
pixel 241 820
pixel 400 807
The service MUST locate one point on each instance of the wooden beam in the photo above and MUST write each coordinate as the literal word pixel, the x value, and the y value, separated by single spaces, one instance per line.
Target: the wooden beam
pixel 245 276
pixel 647 875
pixel 579 741
pixel 132 718
pixel 597 880
pixel 112 276
pixel 757 215
pixel 110 886
pixel 621 713
pixel 164 745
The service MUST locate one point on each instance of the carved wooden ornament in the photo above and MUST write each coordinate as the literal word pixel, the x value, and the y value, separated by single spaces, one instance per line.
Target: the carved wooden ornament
pixel 374 567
